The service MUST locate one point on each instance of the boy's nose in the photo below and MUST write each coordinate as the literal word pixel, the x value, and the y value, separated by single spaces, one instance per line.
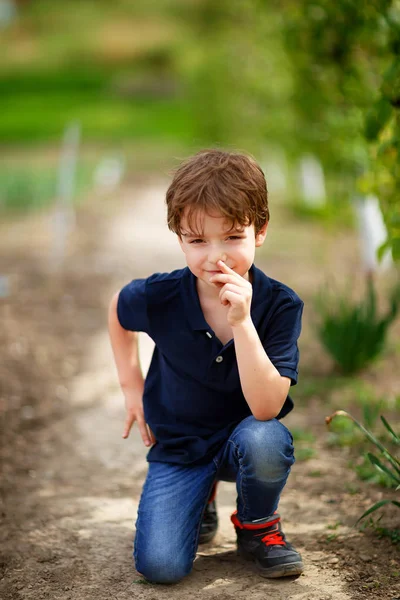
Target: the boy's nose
pixel 217 255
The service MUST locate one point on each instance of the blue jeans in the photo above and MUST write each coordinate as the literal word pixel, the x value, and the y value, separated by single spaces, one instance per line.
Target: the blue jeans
pixel 257 456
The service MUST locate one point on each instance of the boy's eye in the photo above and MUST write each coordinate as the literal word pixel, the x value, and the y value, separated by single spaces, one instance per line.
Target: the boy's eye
pixel 231 237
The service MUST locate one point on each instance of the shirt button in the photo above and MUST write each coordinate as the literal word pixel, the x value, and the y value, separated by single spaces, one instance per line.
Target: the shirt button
pixel 219 359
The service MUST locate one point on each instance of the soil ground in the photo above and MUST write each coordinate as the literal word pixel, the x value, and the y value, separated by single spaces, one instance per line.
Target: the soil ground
pixel 71 485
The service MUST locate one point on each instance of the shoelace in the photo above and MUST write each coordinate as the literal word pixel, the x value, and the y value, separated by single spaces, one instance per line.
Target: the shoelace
pixel 273 538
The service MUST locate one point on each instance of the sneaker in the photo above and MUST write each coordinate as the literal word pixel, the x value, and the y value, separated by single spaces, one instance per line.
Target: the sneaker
pixel 209 524
pixel 265 543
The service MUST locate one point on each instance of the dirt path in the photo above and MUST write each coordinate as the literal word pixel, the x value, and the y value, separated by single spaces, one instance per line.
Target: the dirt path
pixel 76 540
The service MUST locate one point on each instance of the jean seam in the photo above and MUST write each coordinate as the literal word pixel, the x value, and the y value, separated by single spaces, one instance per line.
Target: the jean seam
pixel 242 475
pixel 197 532
pixel 135 553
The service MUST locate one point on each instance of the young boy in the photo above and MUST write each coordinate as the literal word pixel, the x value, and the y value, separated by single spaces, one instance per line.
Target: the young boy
pixel 225 356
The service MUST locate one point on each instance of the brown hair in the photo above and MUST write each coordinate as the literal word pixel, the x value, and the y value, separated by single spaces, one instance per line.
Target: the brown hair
pixel 229 183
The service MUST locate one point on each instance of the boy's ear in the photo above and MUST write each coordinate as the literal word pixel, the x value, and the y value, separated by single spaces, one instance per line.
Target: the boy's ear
pixel 261 235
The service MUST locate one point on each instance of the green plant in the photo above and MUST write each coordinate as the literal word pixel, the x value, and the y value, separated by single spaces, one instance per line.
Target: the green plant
pixel 331 214
pixel 371 411
pixel 354 333
pixel 346 88
pixel 386 462
pixel 27 188
pixel 392 534
pixel 315 473
pixel 334 526
pixel 304 441
pixel 22 188
pixel 343 434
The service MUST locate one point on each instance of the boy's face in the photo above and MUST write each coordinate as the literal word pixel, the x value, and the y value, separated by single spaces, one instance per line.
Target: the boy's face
pixel 218 241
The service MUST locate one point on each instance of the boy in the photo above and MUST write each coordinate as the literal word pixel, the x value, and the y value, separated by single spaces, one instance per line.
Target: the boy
pixel 225 356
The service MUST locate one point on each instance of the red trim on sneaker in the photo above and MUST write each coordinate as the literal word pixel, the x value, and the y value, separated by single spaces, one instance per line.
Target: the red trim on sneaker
pixel 240 525
pixel 274 537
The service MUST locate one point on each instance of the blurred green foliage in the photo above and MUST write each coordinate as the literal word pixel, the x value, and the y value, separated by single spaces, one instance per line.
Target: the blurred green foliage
pixel 110 67
pixel 383 467
pixel 304 442
pixel 347 92
pixel 308 76
pixel 354 333
pixel 35 188
pixel 332 214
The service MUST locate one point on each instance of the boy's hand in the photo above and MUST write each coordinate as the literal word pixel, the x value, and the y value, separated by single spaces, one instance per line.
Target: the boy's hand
pixel 134 412
pixel 236 292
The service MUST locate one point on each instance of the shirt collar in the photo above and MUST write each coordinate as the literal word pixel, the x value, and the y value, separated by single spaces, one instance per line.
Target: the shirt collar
pixel 261 294
pixel 194 314
pixel 191 301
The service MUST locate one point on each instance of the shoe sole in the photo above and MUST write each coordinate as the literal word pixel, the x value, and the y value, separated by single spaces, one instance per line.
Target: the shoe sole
pixel 289 570
pixel 286 570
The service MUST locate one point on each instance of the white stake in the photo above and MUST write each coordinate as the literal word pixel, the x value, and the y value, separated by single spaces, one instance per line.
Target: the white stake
pixel 64 214
pixel 312 182
pixel 8 13
pixel 109 173
pixel 275 169
pixel 373 233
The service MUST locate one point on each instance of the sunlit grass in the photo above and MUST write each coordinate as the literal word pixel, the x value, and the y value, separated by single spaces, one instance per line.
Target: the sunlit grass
pixel 34 117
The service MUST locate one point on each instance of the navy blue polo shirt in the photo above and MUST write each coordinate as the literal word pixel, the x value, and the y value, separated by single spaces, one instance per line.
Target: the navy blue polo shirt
pixel 192 396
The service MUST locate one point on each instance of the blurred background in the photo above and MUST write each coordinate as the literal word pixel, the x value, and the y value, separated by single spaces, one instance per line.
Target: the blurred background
pixel 309 88
pixel 99 101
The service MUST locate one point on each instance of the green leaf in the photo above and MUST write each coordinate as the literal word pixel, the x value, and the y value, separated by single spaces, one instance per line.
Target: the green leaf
pixel 383 248
pixel 388 427
pixel 375 507
pixel 377 463
pixel 396 248
pixel 377 118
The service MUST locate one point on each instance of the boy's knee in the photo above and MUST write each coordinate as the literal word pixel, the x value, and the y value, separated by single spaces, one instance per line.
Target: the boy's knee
pixel 268 446
pixel 260 436
pixel 162 568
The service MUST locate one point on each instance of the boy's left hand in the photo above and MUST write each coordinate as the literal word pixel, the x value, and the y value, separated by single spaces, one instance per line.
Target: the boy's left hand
pixel 236 292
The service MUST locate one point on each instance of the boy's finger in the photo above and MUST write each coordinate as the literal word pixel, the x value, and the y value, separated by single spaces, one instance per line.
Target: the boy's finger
pixel 143 431
pixel 230 272
pixel 227 278
pixel 232 287
pixel 151 435
pixel 128 425
pixel 238 295
pixel 225 267
pixel 229 297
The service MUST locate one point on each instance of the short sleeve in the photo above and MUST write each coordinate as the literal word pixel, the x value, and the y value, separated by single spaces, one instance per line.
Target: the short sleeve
pixel 132 306
pixel 282 334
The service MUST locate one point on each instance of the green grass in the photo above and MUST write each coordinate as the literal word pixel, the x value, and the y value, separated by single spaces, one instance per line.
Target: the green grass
pixel 31 188
pixel 353 331
pixel 345 430
pixel 310 386
pixel 304 442
pixel 333 214
pixel 35 117
pixel 72 73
